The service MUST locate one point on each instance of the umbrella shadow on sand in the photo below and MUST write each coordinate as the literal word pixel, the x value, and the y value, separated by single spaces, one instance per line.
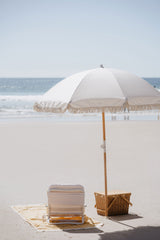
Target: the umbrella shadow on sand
pixel 91 230
pixel 120 218
pixel 139 233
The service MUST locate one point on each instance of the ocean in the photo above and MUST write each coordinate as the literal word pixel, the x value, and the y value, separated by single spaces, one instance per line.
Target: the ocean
pixel 18 95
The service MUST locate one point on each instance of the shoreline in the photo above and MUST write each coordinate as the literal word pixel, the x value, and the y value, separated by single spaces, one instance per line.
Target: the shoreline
pixel 85 118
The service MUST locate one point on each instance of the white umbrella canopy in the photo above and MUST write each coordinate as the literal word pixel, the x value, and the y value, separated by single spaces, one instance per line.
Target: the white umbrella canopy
pixel 100 90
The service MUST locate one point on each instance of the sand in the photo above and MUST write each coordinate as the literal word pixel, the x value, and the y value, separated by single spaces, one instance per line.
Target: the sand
pixel 35 154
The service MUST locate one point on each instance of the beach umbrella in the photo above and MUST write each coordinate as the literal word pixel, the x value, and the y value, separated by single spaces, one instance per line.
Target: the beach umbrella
pixel 100 90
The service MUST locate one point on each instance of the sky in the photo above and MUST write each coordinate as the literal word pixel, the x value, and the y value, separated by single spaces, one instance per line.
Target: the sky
pixel 56 38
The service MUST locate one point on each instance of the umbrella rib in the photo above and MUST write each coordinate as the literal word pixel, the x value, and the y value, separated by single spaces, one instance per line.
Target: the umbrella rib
pixel 126 100
pixel 78 86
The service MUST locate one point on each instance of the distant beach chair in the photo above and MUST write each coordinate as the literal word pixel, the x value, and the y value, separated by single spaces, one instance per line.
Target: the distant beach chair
pixel 66 204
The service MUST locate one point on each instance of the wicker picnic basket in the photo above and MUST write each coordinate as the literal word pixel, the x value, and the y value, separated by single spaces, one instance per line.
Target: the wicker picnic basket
pixel 118 203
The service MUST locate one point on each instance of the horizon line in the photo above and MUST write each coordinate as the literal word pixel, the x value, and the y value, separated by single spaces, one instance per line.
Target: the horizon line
pixel 62 77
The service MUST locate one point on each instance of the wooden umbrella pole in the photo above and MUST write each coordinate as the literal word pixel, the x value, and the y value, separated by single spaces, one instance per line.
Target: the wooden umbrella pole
pixel 105 164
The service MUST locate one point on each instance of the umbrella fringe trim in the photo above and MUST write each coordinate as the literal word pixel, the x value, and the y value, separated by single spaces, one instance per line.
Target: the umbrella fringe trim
pixel 52 107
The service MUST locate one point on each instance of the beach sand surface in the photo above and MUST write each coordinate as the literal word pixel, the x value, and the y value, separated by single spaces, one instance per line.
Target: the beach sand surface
pixel 36 154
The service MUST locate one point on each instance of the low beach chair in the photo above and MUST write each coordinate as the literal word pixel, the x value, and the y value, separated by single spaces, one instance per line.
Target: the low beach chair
pixel 66 204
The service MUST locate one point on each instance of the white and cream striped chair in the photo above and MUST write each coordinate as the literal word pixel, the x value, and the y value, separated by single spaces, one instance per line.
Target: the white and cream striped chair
pixel 66 204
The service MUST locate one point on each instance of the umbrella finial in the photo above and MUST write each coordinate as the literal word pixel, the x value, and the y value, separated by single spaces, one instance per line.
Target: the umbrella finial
pixel 101 66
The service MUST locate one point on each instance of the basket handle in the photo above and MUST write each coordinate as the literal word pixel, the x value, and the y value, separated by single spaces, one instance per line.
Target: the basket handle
pixel 126 200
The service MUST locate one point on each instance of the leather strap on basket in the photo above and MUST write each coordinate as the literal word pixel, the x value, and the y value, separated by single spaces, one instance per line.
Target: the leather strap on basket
pixel 114 199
